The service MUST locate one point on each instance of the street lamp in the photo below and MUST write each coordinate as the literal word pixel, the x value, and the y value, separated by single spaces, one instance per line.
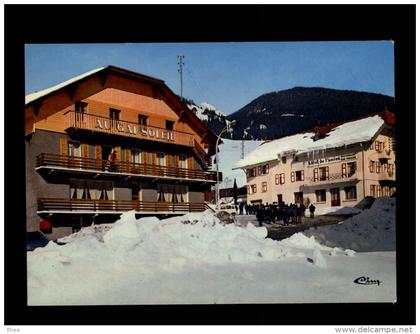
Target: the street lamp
pixel 227 127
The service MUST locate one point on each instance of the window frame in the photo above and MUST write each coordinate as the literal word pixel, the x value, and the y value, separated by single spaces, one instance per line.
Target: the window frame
pixel 322 191
pixel 349 190
pixel 264 186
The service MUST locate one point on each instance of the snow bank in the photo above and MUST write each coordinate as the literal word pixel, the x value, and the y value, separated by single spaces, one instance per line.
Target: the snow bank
pixel 196 259
pixel 345 134
pixel 370 231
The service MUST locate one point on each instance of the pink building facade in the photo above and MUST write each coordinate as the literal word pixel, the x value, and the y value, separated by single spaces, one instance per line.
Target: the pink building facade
pixel 331 167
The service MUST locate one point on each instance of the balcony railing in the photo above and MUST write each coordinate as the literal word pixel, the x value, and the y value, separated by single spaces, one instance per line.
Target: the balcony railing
pixel 333 178
pixel 122 167
pixel 85 121
pixel 386 176
pixel 58 205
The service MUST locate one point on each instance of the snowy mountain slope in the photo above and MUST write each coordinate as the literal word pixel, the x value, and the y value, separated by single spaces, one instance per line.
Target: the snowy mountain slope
pixel 301 108
pixel 209 114
pixel 196 259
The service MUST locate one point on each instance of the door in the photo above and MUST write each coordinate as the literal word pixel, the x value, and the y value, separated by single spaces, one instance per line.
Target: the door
pixel 75 153
pixel 335 196
pixel 106 151
pixel 299 197
pixel 279 198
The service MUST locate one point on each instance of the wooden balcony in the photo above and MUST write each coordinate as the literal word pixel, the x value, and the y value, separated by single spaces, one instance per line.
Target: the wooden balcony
pixel 386 176
pixel 123 168
pixel 84 121
pixel 332 178
pixel 79 206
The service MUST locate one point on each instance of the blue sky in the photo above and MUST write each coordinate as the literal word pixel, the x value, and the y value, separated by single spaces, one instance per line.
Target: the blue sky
pixel 227 75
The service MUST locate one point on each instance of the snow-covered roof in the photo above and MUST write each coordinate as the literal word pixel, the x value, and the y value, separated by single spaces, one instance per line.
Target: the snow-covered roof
pixel 36 95
pixel 358 131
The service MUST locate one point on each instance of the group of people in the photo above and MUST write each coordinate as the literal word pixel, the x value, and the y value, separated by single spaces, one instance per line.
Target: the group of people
pixel 271 213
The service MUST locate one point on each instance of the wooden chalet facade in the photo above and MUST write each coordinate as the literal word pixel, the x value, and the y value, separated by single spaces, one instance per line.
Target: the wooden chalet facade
pixel 111 141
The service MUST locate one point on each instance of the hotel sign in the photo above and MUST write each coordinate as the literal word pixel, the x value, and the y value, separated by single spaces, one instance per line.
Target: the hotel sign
pixel 332 159
pixel 134 130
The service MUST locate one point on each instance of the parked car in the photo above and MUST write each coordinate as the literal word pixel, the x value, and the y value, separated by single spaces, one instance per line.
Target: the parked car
pixel 34 240
pixel 229 208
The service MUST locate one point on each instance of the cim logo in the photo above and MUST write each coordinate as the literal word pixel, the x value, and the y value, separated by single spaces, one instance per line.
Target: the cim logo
pixel 366 281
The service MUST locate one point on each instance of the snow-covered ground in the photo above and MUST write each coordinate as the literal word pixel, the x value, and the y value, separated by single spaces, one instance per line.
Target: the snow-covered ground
pixel 197 259
pixel 230 153
pixel 371 230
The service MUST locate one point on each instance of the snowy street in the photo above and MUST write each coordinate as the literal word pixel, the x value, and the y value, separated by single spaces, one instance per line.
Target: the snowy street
pixel 195 258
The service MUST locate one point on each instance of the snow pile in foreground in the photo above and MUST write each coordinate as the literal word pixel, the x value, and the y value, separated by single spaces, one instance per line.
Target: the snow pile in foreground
pixel 197 259
pixel 370 231
pixel 195 237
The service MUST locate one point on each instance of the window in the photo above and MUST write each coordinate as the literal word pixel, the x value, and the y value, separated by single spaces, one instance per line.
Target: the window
pixel 323 173
pixel 391 169
pixel 170 125
pixel 316 174
pixel 252 172
pixel 279 178
pixel 283 160
pixel 372 166
pixel 114 114
pixel 372 190
pixel 348 169
pixel 135 156
pixel 253 188
pixel 142 119
pixel 379 191
pixel 321 195
pixel 264 169
pixel 386 191
pixel 379 146
pixel 80 107
pixel 350 192
pixel 300 175
pixel 282 178
pixel 264 187
pixel 182 161
pixel 378 167
pixel 160 159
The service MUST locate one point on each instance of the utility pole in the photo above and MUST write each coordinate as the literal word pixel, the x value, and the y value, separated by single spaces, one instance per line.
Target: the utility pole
pixel 181 63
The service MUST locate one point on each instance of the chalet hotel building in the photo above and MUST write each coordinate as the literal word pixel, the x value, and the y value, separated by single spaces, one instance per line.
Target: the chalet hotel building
pixel 332 166
pixel 110 141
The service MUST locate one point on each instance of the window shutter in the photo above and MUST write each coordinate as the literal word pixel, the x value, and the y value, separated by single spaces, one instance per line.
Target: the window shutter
pixel 315 174
pixel 268 168
pixel 327 172
pixel 144 157
pixel 127 155
pixel 85 150
pixel 98 152
pixel 64 148
pixel 303 175
pixel 292 176
pixel 190 162
pixel 343 170
pixel 259 170
pixel 117 153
